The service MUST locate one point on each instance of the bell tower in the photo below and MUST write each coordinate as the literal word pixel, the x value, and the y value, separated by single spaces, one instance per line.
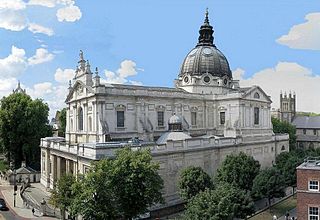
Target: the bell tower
pixel 287 107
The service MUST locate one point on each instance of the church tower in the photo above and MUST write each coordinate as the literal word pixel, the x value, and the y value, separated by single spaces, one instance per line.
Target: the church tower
pixel 287 107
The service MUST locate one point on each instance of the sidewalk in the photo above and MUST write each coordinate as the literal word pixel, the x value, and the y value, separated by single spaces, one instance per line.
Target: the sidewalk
pixel 20 210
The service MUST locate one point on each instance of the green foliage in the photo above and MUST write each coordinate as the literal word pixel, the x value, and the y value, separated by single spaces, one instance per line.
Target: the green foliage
pixel 269 183
pixel 285 127
pixel 62 122
pixel 287 163
pixel 223 203
pixel 23 122
pixel 308 114
pixel 239 170
pixel 3 166
pixel 192 181
pixel 62 195
pixel 120 188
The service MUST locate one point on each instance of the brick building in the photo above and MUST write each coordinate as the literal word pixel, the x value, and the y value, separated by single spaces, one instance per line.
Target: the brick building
pixel 308 193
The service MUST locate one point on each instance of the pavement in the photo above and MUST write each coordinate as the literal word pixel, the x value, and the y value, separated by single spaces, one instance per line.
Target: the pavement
pixel 20 211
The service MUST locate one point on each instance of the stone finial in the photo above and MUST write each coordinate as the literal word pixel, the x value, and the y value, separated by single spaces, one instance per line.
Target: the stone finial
pixel 88 70
pixel 81 55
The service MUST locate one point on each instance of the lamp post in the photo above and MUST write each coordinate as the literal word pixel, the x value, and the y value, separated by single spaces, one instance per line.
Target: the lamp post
pixel 14 187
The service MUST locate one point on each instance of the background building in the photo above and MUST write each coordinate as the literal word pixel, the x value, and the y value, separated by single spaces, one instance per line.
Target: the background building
pixel 287 107
pixel 307 131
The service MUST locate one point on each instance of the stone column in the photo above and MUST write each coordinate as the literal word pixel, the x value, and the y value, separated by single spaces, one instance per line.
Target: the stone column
pixel 58 167
pixel 67 166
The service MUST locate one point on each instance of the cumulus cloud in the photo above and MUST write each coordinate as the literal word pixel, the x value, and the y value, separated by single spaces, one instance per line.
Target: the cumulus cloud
pixel 36 28
pixel 14 64
pixel 127 68
pixel 7 85
pixel 12 20
pixel 286 76
pixel 41 56
pixel 305 35
pixel 12 4
pixel 63 76
pixel 70 13
pixel 40 89
pixel 44 3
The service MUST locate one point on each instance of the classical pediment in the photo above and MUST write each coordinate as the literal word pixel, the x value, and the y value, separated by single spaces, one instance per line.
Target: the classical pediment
pixel 256 93
pixel 79 89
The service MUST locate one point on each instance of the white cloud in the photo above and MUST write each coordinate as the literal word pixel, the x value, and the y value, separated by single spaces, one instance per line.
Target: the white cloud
pixel 63 76
pixel 305 35
pixel 127 68
pixel 12 4
pixel 40 89
pixel 41 56
pixel 14 64
pixel 7 85
pixel 36 28
pixel 286 76
pixel 12 20
pixel 44 3
pixel 70 13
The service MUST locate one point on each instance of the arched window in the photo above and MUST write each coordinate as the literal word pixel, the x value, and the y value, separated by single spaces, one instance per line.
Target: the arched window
pixel 256 116
pixel 311 146
pixel 283 147
pixel 90 123
pixel 256 96
pixel 80 119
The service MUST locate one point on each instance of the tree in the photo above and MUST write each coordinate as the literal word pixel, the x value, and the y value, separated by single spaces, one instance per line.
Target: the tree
pixel 23 122
pixel 192 181
pixel 62 122
pixel 269 183
pixel 239 170
pixel 123 187
pixel 285 127
pixel 223 203
pixel 62 195
pixel 95 198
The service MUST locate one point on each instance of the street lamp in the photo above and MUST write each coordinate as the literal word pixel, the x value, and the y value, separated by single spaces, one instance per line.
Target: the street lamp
pixel 14 187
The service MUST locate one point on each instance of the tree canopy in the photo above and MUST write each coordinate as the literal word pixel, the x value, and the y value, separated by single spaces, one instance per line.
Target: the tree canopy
pixel 224 202
pixel 285 127
pixel 269 183
pixel 23 122
pixel 123 187
pixel 62 122
pixel 192 181
pixel 239 170
pixel 62 194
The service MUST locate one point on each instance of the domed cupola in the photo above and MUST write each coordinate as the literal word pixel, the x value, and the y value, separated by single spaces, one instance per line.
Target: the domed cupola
pixel 205 64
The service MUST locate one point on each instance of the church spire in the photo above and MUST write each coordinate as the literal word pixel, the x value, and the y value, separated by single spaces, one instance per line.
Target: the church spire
pixel 206 32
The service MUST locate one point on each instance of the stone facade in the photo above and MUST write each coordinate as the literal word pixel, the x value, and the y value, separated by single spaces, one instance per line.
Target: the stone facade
pixel 217 118
pixel 307 131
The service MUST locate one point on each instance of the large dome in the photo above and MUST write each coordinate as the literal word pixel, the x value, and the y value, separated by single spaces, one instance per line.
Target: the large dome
pixel 205 57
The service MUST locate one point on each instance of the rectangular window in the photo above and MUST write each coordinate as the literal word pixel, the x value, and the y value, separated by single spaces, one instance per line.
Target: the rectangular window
pixel 304 131
pixel 256 115
pixel 160 118
pixel 314 185
pixel 313 213
pixel 314 132
pixel 193 118
pixel 222 118
pixel 120 119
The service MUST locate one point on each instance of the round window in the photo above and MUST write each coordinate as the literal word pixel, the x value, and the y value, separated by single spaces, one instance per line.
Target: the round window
pixel 186 79
pixel 206 79
pixel 225 81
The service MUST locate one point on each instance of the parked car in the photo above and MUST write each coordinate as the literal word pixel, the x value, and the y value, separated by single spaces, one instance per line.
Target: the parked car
pixel 3 206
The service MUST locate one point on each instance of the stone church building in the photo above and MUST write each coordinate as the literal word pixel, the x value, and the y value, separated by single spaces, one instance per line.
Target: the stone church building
pixel 205 117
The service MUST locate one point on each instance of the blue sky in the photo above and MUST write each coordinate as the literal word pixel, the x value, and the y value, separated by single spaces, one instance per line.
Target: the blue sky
pixel 273 44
